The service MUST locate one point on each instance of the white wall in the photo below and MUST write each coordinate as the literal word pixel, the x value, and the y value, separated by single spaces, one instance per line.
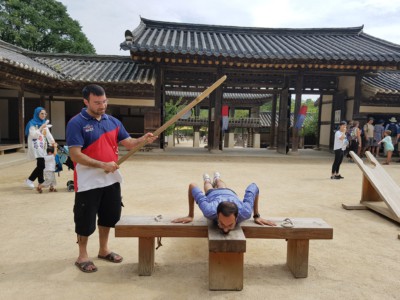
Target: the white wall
pixel 57 119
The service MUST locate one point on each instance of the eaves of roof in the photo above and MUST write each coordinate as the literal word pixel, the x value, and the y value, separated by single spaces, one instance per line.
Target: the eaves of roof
pixel 339 45
pixel 385 82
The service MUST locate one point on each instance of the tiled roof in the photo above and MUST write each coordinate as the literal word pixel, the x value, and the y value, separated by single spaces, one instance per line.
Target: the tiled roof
pixel 16 57
pixel 339 45
pixel 83 68
pixel 226 96
pixel 385 82
pixel 99 68
pixel 266 118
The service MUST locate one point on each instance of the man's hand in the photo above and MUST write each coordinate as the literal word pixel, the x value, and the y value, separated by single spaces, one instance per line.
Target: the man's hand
pixel 150 138
pixel 110 167
pixel 183 220
pixel 261 221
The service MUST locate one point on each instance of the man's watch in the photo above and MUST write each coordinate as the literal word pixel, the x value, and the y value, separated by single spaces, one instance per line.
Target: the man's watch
pixel 255 216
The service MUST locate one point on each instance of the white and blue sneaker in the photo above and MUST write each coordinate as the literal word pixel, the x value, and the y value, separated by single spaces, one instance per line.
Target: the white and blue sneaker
pixel 217 175
pixel 206 178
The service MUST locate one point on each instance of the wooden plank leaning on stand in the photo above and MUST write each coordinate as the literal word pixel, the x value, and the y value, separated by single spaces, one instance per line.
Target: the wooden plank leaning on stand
pixel 379 191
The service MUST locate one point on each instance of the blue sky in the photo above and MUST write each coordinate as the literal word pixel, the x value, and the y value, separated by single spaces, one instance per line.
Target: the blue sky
pixel 104 22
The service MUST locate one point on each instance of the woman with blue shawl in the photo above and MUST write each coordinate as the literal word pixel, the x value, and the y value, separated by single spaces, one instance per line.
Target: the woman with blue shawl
pixel 39 137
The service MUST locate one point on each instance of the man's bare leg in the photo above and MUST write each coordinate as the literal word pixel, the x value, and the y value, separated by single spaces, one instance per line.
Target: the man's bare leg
pixel 104 233
pixel 83 255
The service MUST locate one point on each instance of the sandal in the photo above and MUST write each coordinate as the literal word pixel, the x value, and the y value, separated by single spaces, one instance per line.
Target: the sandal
pixel 39 189
pixel 112 257
pixel 287 223
pixel 85 266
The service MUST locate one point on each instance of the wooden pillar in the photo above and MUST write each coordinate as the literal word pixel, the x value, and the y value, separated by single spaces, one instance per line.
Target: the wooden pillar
pixel 283 118
pixel 159 94
pixel 21 117
pixel 297 104
pixel 319 120
pixel 357 96
pixel 215 114
pixel 273 122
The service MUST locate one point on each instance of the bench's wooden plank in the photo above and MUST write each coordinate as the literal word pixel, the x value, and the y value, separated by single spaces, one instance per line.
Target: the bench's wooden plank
pixel 147 226
pixel 304 228
pixel 235 241
pixel 225 271
pixel 297 257
pixel 146 256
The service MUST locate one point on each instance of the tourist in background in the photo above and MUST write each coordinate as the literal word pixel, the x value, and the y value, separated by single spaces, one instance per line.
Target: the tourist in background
pixel 340 144
pixel 378 135
pixel 39 137
pixel 387 141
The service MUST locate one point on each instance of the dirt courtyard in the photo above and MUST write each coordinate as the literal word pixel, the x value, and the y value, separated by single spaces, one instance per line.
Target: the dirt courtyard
pixel 38 243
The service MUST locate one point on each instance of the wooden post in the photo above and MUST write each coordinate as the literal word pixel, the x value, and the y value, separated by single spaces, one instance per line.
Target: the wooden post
pixel 21 118
pixel 146 256
pixel 295 131
pixel 226 258
pixel 357 96
pixel 273 122
pixel 283 119
pixel 297 257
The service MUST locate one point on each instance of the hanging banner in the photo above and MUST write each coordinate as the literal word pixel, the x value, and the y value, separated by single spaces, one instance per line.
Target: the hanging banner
pixel 301 117
pixel 225 117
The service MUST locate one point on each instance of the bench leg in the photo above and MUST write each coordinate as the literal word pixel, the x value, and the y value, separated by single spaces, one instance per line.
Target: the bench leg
pixel 297 257
pixel 146 256
pixel 225 271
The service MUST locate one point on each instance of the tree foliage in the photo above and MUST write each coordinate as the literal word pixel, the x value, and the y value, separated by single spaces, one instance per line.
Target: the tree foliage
pixel 171 109
pixel 42 26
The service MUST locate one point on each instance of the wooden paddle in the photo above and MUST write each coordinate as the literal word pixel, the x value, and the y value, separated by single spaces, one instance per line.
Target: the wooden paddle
pixel 175 118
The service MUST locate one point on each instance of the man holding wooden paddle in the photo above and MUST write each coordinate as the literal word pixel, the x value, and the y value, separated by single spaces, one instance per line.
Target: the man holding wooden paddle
pixel 93 137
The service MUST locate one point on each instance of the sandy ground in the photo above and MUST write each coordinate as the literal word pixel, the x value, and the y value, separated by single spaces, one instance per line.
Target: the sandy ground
pixel 38 247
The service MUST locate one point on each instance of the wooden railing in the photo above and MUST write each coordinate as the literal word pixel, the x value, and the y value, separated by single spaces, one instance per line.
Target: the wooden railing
pixel 239 122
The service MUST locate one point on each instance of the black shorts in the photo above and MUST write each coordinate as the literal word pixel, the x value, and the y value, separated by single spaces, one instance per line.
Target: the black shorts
pixel 104 202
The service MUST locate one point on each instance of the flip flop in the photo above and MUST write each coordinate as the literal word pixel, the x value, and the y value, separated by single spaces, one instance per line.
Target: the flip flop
pixel 111 257
pixel 287 223
pixel 84 266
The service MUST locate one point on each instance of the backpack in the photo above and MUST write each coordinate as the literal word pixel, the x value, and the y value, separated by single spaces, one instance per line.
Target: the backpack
pixel 393 128
pixel 353 133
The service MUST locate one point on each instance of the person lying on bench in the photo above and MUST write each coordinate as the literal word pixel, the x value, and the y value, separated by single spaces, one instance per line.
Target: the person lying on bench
pixel 222 205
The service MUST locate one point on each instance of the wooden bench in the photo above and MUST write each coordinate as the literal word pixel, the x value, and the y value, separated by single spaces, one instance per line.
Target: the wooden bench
pixel 297 237
pixel 3 148
pixel 225 251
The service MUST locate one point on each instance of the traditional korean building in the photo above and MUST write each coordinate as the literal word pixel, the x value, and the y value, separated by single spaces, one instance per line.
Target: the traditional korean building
pixel 353 73
pixel 331 62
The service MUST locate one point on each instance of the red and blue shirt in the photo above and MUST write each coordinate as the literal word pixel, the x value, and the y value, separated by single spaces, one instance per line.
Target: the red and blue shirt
pixel 99 140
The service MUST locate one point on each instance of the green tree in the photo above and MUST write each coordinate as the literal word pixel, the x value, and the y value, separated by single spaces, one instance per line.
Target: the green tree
pixel 171 109
pixel 42 26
